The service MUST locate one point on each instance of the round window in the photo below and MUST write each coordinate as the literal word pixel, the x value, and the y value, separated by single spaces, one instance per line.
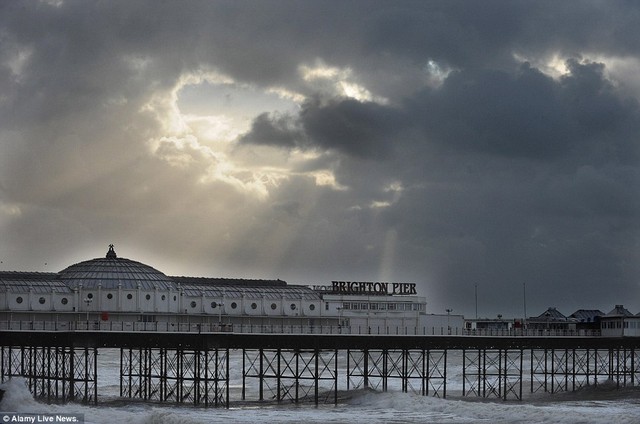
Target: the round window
pixel 293 306
pixel 312 307
pixel 163 297
pixel 273 306
pixel 254 306
pixel 148 297
pixel 193 304
pixel 109 296
pixel 129 296
pixel 214 305
pixel 174 298
pixel 234 305
pixel 64 301
pixel 19 299
pixel 42 300
pixel 90 296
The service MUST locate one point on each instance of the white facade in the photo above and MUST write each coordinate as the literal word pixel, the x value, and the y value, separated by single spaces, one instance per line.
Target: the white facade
pixel 620 322
pixel 117 293
pixel 155 302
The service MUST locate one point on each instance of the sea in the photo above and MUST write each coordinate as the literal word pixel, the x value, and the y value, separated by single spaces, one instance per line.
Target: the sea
pixel 604 403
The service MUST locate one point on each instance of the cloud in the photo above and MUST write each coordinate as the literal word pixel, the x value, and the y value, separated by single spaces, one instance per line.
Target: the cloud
pixel 356 128
pixel 273 131
pixel 514 114
pixel 495 112
pixel 446 143
pixel 513 178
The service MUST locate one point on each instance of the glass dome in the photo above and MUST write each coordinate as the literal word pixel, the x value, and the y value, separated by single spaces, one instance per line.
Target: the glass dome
pixel 112 272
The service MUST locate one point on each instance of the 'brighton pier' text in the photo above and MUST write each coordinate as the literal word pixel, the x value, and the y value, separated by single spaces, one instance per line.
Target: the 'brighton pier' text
pixel 363 287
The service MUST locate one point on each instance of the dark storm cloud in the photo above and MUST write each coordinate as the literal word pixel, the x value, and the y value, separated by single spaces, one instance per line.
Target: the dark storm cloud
pixel 496 112
pixel 519 114
pixel 460 34
pixel 500 175
pixel 486 34
pixel 355 128
pixel 527 114
pixel 273 131
pixel 513 177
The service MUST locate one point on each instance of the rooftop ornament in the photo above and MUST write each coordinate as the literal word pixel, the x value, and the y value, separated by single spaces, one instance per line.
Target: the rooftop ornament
pixel 111 254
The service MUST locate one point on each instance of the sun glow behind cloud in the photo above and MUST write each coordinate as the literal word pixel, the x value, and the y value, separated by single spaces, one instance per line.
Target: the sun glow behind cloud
pixel 556 65
pixel 339 82
pixel 328 179
pixel 202 116
pixel 618 70
pixel 553 65
pixel 436 73
pixel 201 141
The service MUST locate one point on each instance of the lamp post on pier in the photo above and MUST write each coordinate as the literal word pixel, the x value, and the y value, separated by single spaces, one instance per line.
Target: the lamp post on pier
pixel 88 302
pixel 476 292
pixel 219 305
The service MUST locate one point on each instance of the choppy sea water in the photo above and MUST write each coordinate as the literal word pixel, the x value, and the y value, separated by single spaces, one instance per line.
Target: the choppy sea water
pixel 601 404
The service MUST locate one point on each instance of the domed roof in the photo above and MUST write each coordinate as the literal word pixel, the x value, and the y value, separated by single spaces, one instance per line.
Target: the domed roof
pixel 111 272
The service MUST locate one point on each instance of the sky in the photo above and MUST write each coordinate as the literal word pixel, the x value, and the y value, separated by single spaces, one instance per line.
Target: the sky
pixel 469 147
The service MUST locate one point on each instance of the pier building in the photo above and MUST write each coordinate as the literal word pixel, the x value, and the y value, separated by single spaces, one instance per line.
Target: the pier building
pixel 115 293
pixel 620 322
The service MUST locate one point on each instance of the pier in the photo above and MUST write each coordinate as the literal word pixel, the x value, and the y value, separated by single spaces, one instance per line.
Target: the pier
pixel 177 337
pixel 192 368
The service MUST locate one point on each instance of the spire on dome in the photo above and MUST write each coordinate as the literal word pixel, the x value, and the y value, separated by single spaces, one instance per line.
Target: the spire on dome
pixel 111 254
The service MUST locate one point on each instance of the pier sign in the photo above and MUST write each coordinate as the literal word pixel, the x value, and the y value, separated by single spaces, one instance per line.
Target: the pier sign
pixel 367 287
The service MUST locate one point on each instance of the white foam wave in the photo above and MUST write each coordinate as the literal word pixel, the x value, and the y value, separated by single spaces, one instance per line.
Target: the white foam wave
pixel 406 407
pixel 359 407
pixel 16 396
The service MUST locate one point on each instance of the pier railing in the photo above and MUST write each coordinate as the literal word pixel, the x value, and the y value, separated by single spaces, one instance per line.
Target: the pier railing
pixel 137 326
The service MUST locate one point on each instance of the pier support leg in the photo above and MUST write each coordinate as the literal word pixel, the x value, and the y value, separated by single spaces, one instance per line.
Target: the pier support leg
pixel 53 374
pixel 436 373
pixel 294 375
pixel 198 377
pixel 492 373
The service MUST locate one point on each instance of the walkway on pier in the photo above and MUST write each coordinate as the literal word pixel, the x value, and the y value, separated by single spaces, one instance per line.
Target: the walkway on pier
pixel 185 327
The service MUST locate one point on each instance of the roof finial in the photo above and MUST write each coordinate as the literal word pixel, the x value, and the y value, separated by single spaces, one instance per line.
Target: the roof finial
pixel 111 254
